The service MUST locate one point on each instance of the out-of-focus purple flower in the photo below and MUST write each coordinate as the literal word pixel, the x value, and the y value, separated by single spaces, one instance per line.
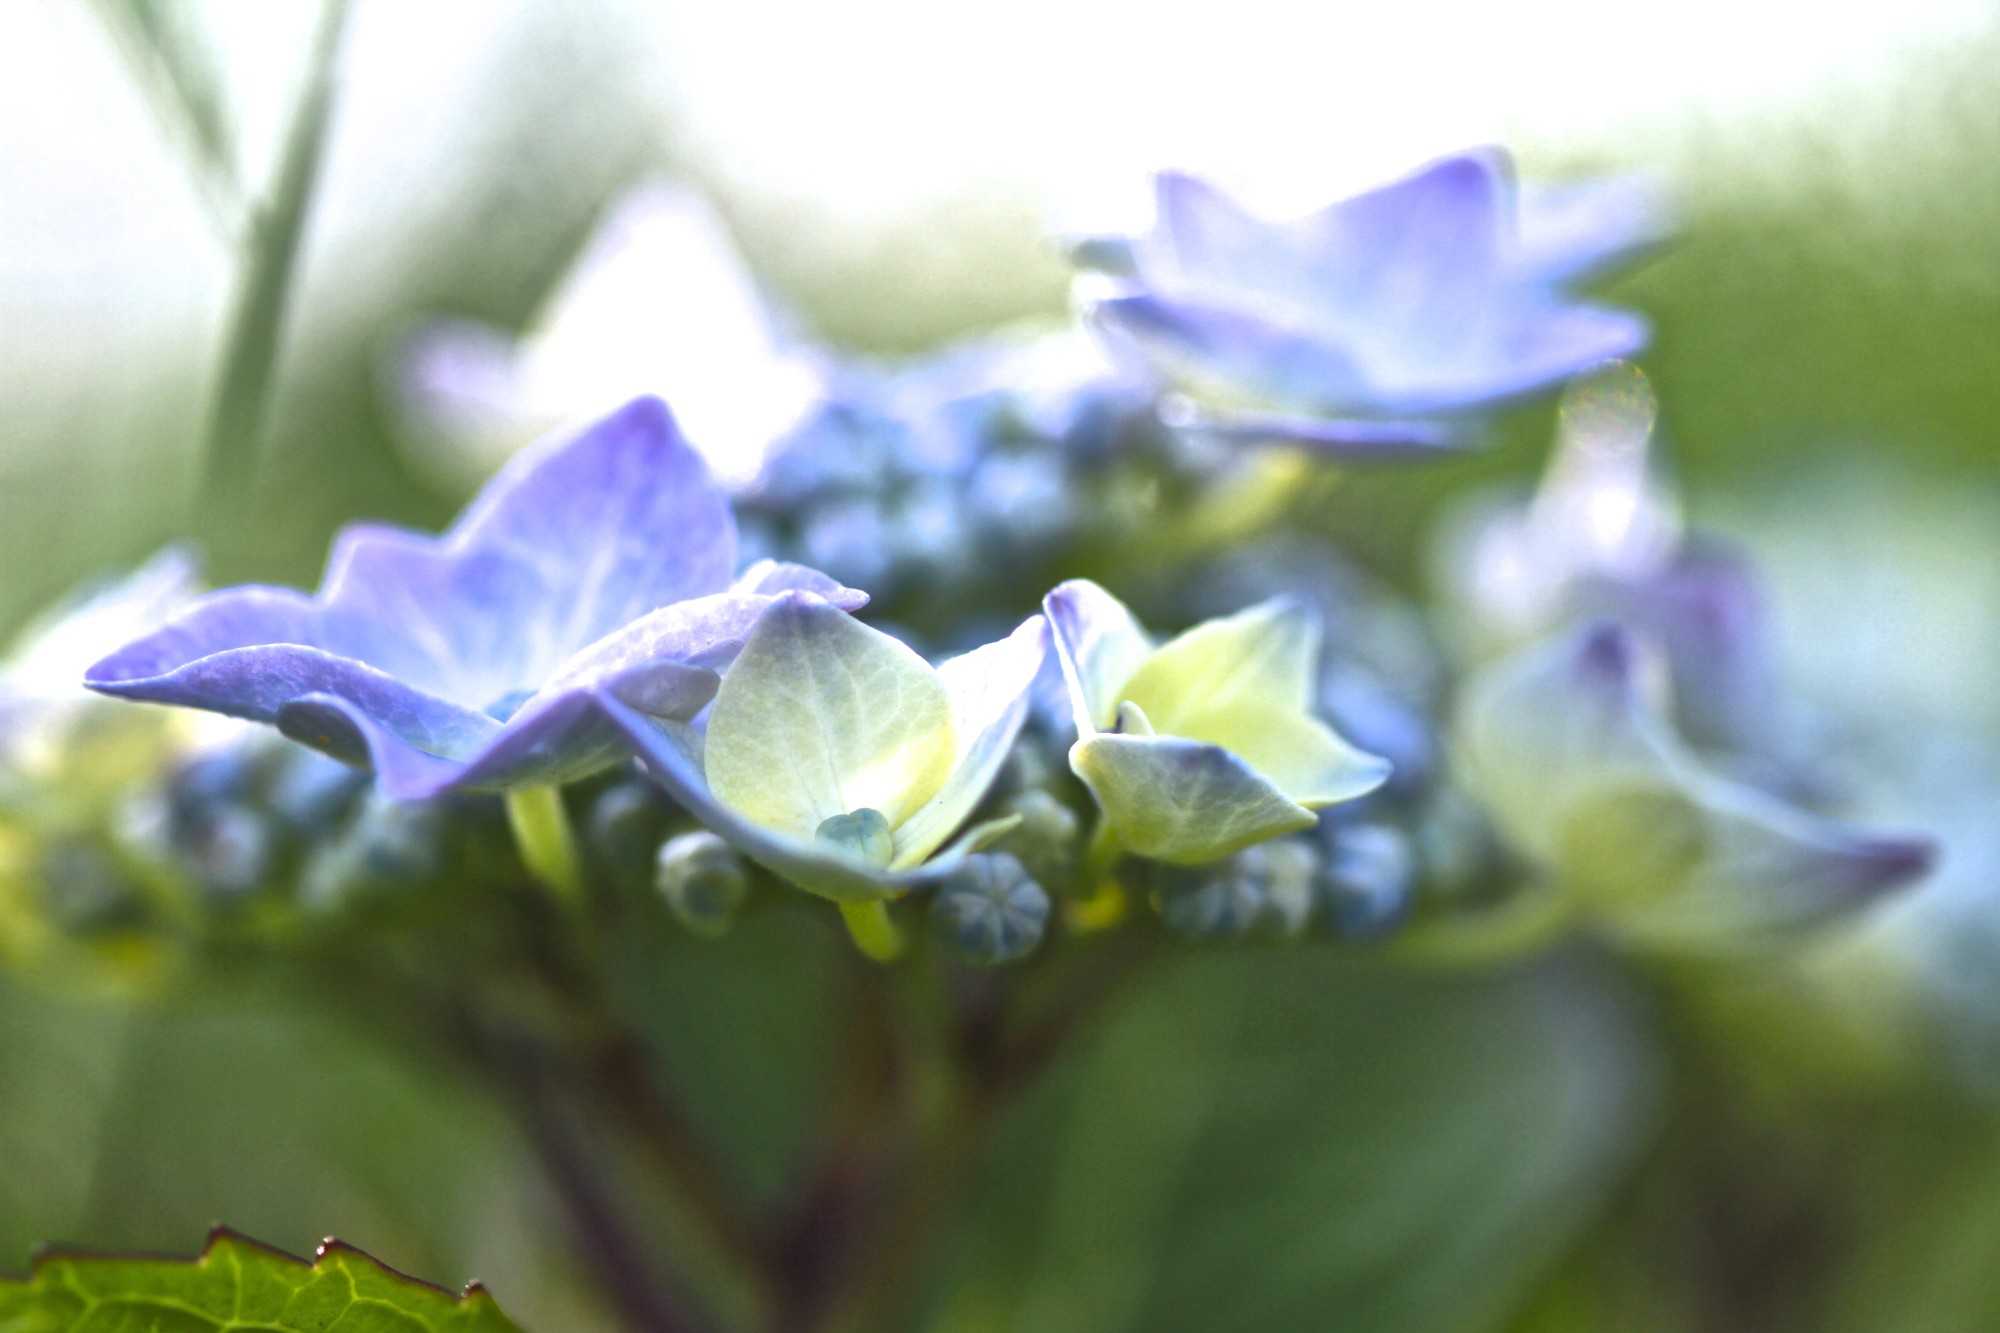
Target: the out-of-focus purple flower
pixel 1570 747
pixel 1602 537
pixel 602 563
pixel 659 303
pixel 62 748
pixel 1380 324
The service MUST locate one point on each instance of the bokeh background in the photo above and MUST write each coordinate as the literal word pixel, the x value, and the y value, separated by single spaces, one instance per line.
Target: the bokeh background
pixel 1312 1142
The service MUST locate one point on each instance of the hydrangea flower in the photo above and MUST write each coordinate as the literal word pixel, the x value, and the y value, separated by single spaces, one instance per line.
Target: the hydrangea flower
pixel 1570 746
pixel 839 759
pixel 1377 324
pixel 659 302
pixel 61 746
pixel 597 567
pixel 1602 538
pixel 1205 744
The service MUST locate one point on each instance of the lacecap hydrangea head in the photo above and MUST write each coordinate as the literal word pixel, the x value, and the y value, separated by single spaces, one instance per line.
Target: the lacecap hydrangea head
pixel 601 565
pixel 1382 322
pixel 1205 744
pixel 838 758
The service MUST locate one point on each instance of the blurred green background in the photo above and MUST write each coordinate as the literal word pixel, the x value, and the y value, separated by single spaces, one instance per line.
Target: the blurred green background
pixel 1312 1142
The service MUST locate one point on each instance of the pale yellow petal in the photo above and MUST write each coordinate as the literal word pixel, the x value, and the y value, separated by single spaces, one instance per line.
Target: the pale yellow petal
pixel 821 716
pixel 1263 656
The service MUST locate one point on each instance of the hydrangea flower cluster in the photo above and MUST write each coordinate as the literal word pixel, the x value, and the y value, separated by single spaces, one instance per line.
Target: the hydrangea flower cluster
pixel 585 643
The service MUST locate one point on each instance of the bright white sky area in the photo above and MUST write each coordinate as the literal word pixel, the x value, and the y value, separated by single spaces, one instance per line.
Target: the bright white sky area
pixel 876 104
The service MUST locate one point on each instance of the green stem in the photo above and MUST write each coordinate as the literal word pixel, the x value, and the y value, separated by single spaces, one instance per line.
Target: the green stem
pixel 875 934
pixel 1530 923
pixel 1248 500
pixel 1098 901
pixel 542 832
pixel 272 242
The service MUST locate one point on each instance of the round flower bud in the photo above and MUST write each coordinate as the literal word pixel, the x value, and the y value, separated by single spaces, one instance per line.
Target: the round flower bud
pixel 1269 887
pixel 230 850
pixel 703 880
pixel 1290 867
pixel 311 793
pixel 1046 838
pixel 623 833
pixel 990 911
pixel 228 773
pixel 1455 846
pixel 1223 901
pixel 386 845
pixel 1368 881
pixel 82 890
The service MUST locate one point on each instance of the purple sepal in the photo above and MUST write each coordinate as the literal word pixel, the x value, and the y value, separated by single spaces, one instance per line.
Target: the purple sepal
pixel 1436 297
pixel 473 660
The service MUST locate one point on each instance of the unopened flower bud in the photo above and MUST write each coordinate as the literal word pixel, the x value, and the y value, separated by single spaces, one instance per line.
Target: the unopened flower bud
pixel 388 844
pixel 230 851
pixel 703 880
pixel 623 835
pixel 311 793
pixel 991 911
pixel 231 772
pixel 1455 847
pixel 1223 901
pixel 1368 881
pixel 1290 867
pixel 1046 838
pixel 83 892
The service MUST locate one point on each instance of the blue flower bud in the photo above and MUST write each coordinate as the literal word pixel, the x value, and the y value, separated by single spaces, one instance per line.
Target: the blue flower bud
pixel 1264 889
pixel 1368 882
pixel 229 772
pixel 1290 868
pixel 849 540
pixel 927 532
pixel 1215 902
pixel 1045 840
pixel 990 911
pixel 83 892
pixel 1381 721
pixel 842 448
pixel 231 851
pixel 704 882
pixel 311 793
pixel 387 845
pixel 1455 847
pixel 1027 499
pixel 863 834
pixel 624 829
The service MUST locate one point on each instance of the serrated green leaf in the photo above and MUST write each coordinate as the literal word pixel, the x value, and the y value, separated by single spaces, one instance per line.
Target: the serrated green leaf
pixel 238 1286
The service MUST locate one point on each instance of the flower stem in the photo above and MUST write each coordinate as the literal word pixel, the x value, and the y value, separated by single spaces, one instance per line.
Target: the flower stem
pixel 1529 923
pixel 542 832
pixel 875 934
pixel 1248 500
pixel 1099 899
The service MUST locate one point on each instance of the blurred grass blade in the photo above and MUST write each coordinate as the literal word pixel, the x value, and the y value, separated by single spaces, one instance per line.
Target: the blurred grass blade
pixel 271 251
pixel 237 1283
pixel 168 44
